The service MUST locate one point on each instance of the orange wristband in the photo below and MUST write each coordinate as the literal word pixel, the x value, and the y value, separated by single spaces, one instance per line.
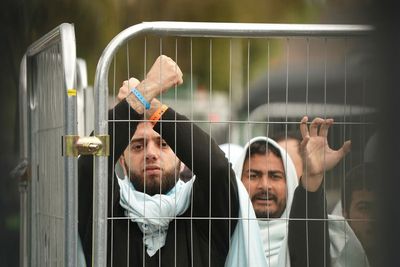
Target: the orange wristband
pixel 157 115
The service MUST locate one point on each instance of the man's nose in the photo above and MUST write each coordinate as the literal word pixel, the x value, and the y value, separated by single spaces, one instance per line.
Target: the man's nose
pixel 152 151
pixel 264 182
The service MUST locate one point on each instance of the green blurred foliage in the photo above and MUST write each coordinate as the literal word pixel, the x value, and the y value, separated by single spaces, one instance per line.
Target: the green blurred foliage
pixel 97 22
pixel 122 14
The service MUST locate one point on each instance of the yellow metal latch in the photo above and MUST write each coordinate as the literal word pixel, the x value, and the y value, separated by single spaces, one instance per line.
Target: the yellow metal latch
pixel 73 145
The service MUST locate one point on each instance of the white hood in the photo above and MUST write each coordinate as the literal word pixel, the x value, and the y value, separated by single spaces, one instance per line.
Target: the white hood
pixel 250 246
pixel 290 170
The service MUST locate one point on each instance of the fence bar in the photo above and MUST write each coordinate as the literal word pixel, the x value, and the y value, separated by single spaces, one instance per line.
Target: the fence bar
pixel 71 164
pixel 23 155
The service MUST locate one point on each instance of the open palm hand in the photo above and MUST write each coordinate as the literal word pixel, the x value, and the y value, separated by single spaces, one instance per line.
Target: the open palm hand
pixel 317 156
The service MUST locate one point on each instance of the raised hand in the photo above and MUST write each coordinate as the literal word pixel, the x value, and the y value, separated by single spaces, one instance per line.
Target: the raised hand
pixel 316 153
pixel 163 74
pixel 124 90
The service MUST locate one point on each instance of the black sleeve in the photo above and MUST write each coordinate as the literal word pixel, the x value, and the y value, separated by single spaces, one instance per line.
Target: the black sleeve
pixel 215 191
pixel 309 240
pixel 122 125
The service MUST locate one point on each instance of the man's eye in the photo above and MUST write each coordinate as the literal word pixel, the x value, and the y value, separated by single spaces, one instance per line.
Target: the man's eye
pixel 276 176
pixel 137 147
pixel 253 176
pixel 164 144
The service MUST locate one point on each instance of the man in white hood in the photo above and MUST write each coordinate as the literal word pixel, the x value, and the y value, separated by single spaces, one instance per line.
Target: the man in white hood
pixel 268 185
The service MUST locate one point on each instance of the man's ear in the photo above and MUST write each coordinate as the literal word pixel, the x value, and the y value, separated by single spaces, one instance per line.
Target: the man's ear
pixel 182 167
pixel 122 163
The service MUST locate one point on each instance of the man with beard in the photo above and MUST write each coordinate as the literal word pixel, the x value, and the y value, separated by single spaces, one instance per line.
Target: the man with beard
pixel 283 219
pixel 155 219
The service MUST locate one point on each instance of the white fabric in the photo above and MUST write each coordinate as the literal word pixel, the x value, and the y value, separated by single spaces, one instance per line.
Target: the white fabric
pixel 345 248
pixel 261 243
pixel 232 151
pixel 264 243
pixel 246 239
pixel 81 255
pixel 153 213
pixel 337 209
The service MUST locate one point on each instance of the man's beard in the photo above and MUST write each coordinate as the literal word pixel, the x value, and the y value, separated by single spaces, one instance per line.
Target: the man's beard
pixel 153 186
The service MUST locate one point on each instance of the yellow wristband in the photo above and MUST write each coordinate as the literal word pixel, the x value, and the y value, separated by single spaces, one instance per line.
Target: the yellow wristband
pixel 157 115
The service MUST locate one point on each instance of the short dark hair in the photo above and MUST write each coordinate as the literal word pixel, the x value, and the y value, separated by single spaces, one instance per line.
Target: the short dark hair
pixel 361 177
pixel 261 148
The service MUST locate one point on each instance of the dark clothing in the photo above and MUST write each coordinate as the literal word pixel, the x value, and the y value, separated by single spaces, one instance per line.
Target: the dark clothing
pixel 193 239
pixel 309 241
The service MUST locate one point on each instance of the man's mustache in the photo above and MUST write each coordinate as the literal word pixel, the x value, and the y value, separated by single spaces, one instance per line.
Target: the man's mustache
pixel 265 195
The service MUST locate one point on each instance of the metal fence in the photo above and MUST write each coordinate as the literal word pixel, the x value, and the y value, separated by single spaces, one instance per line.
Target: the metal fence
pixel 47 113
pixel 23 166
pixel 84 99
pixel 243 80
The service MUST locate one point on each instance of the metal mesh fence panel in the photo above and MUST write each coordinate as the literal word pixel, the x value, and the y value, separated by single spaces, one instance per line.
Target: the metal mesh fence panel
pixel 240 81
pixel 51 236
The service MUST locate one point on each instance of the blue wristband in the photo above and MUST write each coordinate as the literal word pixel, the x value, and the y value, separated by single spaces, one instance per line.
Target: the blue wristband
pixel 141 98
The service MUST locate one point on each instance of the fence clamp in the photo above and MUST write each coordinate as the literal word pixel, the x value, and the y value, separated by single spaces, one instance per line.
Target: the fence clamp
pixel 73 145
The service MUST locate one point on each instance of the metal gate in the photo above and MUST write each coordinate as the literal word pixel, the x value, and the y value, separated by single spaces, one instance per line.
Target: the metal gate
pixel 239 115
pixel 47 113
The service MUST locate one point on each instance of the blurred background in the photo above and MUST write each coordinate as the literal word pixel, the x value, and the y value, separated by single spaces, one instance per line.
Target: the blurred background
pixel 97 22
